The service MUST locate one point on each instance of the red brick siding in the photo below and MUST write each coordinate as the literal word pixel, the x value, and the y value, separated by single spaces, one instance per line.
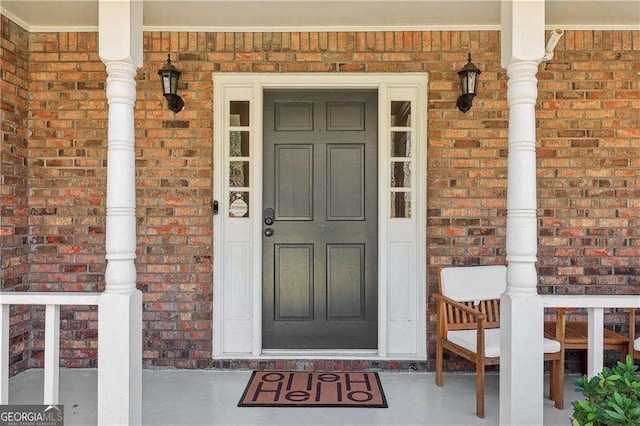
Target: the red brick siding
pixel 589 238
pixel 67 181
pixel 14 210
pixel 589 165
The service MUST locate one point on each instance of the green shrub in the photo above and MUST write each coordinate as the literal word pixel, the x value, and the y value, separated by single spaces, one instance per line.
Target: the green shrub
pixel 612 398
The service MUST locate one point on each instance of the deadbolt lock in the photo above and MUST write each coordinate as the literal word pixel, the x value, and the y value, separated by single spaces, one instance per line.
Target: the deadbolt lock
pixel 269 215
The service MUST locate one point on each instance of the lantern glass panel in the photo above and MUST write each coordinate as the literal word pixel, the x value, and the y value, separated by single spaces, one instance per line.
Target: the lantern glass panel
pixel 174 82
pixel 166 82
pixel 464 85
pixel 472 78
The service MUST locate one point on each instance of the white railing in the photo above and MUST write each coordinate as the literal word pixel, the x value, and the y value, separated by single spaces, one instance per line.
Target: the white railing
pixel 595 306
pixel 52 302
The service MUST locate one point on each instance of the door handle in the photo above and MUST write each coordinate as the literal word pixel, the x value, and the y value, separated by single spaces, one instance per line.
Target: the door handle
pixel 268 232
pixel 269 215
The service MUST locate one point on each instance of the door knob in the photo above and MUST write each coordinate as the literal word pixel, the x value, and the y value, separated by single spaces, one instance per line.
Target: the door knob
pixel 268 232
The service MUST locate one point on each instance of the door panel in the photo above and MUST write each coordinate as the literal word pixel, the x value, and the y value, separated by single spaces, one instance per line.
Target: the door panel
pixel 320 256
pixel 293 116
pixel 345 116
pixel 346 285
pixel 345 182
pixel 294 182
pixel 294 282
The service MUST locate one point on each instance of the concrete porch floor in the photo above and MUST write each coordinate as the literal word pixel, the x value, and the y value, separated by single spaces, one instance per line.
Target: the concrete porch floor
pixel 206 397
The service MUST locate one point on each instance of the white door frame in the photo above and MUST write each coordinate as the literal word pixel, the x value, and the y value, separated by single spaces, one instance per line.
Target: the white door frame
pixel 237 303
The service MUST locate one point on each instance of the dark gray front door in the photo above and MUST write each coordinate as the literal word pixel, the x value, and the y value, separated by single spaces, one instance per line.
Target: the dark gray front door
pixel 320 189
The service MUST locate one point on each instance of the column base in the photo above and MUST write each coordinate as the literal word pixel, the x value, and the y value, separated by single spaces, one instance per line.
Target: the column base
pixel 521 359
pixel 120 358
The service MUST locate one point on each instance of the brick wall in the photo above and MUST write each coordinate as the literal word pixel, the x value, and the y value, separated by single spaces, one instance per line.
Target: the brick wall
pixel 589 165
pixel 14 226
pixel 67 182
pixel 589 169
pixel 588 124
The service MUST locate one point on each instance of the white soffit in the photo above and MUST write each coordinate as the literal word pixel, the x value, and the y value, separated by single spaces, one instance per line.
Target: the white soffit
pixel 320 15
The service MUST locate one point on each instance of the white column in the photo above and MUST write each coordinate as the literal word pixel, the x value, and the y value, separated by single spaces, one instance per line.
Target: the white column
pixel 4 354
pixel 120 306
pixel 521 360
pixel 52 355
pixel 595 335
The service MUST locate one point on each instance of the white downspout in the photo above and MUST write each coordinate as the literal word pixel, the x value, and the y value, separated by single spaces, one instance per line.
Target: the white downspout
pixel 554 38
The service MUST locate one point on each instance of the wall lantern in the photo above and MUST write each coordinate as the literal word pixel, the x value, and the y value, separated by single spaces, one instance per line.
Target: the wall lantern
pixel 169 75
pixel 468 84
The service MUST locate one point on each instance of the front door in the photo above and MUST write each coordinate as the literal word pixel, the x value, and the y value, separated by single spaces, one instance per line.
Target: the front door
pixel 320 219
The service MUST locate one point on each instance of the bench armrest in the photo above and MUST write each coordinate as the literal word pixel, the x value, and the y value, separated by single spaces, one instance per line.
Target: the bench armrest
pixel 632 329
pixel 480 318
pixel 561 324
pixel 442 299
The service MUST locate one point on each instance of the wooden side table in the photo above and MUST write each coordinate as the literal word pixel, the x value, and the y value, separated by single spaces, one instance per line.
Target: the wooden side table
pixel 595 306
pixel 576 337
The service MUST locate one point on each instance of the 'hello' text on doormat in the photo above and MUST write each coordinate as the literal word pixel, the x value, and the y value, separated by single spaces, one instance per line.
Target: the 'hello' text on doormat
pixel 302 389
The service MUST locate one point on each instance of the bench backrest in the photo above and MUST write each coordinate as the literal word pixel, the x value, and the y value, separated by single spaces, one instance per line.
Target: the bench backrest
pixel 479 287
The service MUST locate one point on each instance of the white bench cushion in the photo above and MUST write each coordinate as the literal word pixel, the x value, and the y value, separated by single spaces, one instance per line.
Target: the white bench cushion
pixel 468 339
pixel 636 344
pixel 473 283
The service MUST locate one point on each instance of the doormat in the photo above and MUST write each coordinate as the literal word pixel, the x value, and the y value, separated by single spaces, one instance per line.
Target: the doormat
pixel 302 389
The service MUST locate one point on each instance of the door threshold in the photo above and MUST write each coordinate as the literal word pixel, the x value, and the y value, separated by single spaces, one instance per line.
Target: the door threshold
pixel 320 353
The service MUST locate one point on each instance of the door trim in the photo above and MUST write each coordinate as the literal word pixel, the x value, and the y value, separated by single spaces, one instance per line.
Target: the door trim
pixel 239 335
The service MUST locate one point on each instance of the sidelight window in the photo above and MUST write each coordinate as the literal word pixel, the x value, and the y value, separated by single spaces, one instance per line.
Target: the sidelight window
pixel 402 161
pixel 239 163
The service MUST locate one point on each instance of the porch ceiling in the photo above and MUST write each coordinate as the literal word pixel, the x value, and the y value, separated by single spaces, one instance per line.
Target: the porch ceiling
pixel 260 15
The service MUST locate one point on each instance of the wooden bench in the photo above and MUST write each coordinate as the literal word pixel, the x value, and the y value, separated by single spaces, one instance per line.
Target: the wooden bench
pixel 634 347
pixel 469 325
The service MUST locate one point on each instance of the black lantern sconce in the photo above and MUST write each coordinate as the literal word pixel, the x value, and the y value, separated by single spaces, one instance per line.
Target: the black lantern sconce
pixel 170 75
pixel 468 85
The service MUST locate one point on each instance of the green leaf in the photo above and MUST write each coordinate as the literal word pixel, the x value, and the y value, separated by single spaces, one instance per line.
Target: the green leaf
pixel 618 398
pixel 584 405
pixel 612 398
pixel 616 408
pixel 615 415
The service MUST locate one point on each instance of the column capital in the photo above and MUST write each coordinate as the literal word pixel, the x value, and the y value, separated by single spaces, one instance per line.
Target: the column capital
pixel 121 83
pixel 522 86
pixel 121 67
pixel 520 66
